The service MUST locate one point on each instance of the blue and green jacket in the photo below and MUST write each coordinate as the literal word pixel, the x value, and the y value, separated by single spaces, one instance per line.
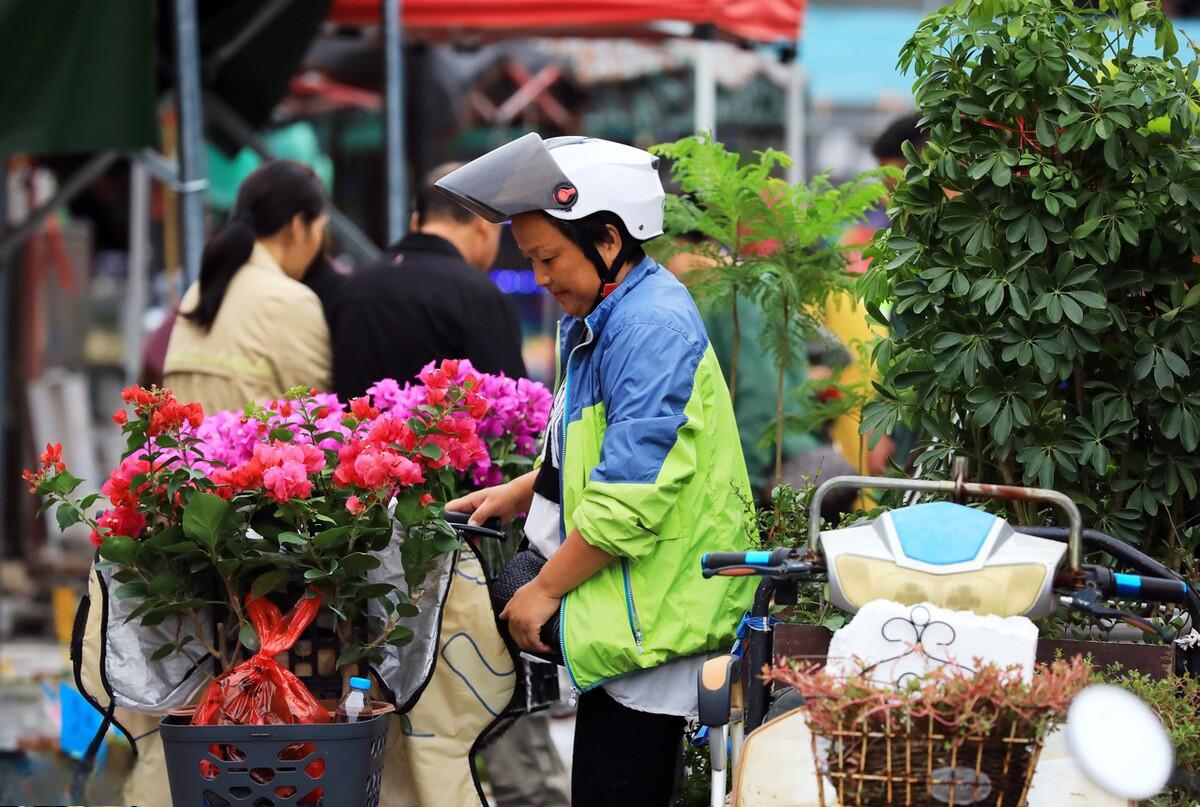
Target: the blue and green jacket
pixel 653 474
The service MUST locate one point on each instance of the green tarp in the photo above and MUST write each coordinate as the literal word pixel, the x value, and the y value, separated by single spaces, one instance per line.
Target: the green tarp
pixel 76 76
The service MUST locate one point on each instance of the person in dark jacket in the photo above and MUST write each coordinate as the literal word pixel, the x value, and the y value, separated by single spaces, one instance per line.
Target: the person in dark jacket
pixel 429 299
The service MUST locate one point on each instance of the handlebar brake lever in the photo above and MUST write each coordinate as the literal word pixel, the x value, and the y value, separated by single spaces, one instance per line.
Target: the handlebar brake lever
pixel 1088 600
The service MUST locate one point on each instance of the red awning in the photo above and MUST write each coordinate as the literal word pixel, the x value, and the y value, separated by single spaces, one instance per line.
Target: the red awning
pixel 758 20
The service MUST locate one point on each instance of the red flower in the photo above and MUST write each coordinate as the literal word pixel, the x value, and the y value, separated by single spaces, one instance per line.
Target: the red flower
pixel 52 455
pixel 426 499
pixel 121 521
pixel 361 409
pixel 138 395
pixel 450 367
pixel 120 417
pixel 32 479
pixel 355 506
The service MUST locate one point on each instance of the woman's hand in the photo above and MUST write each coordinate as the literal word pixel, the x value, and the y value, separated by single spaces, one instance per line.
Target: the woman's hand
pixel 530 608
pixel 504 502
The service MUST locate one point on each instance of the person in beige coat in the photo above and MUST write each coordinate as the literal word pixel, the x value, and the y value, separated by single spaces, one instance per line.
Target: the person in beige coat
pixel 249 330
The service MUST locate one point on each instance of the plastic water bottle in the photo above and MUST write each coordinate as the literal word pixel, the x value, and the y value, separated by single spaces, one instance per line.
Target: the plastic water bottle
pixel 354 706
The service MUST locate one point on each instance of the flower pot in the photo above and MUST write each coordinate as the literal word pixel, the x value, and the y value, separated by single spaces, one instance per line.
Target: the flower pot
pixel 288 765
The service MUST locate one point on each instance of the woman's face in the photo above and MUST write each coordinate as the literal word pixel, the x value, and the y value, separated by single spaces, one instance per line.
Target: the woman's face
pixel 305 239
pixel 559 266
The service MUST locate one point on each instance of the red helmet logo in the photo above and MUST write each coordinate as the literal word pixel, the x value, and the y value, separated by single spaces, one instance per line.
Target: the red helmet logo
pixel 565 194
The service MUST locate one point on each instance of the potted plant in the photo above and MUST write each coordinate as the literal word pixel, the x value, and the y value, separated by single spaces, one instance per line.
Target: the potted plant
pixel 1040 266
pixel 768 243
pixel 211 517
pixel 950 732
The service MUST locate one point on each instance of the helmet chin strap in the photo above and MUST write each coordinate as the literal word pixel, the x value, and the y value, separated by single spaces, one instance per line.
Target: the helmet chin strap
pixel 607 272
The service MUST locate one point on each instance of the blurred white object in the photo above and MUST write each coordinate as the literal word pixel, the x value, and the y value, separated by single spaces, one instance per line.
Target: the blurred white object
pixel 1119 742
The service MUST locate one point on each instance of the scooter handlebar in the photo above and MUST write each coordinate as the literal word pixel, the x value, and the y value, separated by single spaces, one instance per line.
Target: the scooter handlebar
pixel 760 562
pixel 1140 587
pixel 461 522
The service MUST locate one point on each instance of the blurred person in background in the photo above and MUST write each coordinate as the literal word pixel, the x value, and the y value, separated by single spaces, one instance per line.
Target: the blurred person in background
pixel 429 299
pixel 324 277
pixel 847 318
pixel 249 329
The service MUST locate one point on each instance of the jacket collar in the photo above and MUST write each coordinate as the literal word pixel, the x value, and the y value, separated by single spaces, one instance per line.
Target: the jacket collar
pixel 261 257
pixel 424 242
pixel 602 312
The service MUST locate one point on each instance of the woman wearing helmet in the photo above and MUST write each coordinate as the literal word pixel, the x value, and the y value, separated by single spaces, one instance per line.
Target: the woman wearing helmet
pixel 642 471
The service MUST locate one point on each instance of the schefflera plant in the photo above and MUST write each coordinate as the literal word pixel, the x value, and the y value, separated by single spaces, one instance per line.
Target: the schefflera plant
pixel 1040 271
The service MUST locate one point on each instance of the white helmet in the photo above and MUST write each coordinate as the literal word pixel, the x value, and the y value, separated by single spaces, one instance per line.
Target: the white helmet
pixel 567 177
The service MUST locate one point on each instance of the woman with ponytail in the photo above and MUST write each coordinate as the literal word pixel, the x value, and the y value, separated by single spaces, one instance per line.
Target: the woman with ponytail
pixel 249 330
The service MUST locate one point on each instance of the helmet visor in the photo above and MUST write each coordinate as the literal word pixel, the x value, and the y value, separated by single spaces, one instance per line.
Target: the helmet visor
pixel 516 178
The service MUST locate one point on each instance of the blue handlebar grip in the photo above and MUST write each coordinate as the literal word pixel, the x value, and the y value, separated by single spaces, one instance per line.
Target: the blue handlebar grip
pixel 1156 589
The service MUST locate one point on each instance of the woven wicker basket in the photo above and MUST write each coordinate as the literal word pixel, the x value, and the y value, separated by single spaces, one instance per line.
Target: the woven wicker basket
pixel 872 763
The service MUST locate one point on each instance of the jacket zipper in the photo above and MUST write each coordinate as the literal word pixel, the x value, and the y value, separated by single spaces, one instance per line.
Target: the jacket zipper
pixel 635 623
pixel 562 613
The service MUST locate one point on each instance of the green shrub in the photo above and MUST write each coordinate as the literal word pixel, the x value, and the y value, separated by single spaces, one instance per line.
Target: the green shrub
pixel 1040 262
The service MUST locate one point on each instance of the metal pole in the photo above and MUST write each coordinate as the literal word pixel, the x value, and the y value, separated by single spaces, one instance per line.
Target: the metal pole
pixel 397 175
pixel 139 247
pixel 85 176
pixel 265 15
pixel 797 121
pixel 356 241
pixel 705 88
pixel 6 322
pixel 192 175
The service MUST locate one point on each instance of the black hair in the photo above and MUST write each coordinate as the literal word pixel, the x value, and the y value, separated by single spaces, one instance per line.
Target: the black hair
pixel 433 204
pixel 591 230
pixel 267 200
pixel 887 145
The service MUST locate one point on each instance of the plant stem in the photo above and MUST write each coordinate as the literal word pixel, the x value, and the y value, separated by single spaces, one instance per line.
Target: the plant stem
pixel 779 402
pixel 737 347
pixel 204 642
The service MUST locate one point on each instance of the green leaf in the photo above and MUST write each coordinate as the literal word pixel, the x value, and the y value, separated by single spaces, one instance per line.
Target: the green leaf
pixel 283 434
pixel 204 517
pixel 430 450
pixel 1177 365
pixel 1001 175
pixel 350 655
pixel 359 563
pixel 1162 373
pixel 248 637
pixel 67 515
pixel 119 549
pixel 1036 235
pixel 269 581
pixel 334 536
pixel 165 584
pixel 294 538
pixel 163 651
pixel 1139 10
pixel 1002 427
pixel 130 591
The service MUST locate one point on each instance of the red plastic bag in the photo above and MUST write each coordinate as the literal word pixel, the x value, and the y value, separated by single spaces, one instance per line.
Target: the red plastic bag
pixel 259 691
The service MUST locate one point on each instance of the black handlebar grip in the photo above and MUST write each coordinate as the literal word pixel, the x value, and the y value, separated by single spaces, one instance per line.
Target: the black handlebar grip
pixel 461 522
pixel 715 561
pixel 1140 587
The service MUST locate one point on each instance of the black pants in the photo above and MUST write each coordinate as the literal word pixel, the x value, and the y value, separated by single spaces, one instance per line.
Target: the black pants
pixel 623 757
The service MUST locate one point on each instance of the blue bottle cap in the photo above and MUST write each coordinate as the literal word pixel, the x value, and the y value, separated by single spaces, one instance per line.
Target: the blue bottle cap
pixel 360 683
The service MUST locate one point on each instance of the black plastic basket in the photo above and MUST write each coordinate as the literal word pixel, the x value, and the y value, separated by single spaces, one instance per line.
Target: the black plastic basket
pixel 293 765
